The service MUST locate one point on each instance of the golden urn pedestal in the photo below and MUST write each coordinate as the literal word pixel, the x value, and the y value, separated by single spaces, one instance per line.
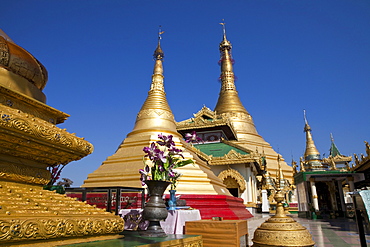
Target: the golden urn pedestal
pixel 31 144
pixel 281 230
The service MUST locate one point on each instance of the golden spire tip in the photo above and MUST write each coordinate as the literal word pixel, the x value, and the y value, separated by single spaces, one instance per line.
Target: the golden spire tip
pixel 160 32
pixel 158 53
pixel 223 26
pixel 304 116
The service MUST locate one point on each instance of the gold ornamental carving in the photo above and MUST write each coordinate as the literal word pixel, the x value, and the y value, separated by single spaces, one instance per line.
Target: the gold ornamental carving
pixel 31 138
pixel 238 115
pixel 204 118
pixel 205 111
pixel 23 174
pixel 155 113
pixel 30 106
pixel 235 175
pixel 30 213
pixel 47 228
pixel 281 239
pixel 232 157
pixel 22 63
pixel 230 183
pixel 195 243
pixel 281 230
pixel 362 163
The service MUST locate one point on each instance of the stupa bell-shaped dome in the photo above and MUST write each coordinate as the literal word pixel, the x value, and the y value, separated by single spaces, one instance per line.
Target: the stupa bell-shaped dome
pixel 20 70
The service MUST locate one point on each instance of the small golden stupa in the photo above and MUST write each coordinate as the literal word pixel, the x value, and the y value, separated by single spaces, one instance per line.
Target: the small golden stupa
pixel 30 142
pixel 280 229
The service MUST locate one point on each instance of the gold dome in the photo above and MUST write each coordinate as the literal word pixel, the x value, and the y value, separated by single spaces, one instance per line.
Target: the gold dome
pixel 16 61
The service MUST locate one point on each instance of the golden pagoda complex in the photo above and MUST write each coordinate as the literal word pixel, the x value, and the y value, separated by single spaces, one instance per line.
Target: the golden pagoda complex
pixel 232 147
pixel 197 183
pixel 30 143
pixel 322 182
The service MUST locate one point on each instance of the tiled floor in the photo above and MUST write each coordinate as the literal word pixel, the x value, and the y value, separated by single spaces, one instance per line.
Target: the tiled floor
pixel 325 232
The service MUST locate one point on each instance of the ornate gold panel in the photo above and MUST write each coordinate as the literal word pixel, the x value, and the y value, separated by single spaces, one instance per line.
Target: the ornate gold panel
pixel 30 106
pixel 29 213
pixel 23 173
pixel 22 135
pixel 236 176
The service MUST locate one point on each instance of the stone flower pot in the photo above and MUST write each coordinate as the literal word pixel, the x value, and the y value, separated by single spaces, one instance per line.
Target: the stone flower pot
pixel 155 209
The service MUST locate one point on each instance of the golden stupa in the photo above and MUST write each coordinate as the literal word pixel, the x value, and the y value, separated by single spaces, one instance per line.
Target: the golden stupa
pixel 30 142
pixel 280 229
pixel 230 111
pixel 155 117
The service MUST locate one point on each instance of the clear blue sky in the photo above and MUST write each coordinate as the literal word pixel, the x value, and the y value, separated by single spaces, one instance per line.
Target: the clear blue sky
pixel 290 56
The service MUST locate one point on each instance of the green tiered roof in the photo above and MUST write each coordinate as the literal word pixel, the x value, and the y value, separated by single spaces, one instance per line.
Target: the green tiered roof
pixel 217 149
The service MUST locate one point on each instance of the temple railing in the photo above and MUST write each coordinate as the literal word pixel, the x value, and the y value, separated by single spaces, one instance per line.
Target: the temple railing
pixel 107 197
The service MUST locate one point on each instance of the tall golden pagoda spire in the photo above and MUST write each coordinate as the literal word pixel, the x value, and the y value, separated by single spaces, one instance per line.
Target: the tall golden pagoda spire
pixel 155 112
pixel 229 106
pixel 312 155
pixel 228 100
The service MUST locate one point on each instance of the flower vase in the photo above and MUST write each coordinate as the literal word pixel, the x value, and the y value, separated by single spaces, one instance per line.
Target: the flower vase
pixel 155 209
pixel 172 200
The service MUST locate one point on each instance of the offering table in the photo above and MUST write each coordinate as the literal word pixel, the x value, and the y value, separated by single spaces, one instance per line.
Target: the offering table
pixel 174 224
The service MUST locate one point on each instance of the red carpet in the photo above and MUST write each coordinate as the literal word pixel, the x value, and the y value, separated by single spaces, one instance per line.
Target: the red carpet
pixel 228 207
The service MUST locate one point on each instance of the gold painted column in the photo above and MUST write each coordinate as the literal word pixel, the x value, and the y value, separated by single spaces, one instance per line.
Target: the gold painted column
pixel 315 201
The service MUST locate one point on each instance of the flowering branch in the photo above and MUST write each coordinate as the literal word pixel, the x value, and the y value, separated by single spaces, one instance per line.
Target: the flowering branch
pixel 55 173
pixel 165 158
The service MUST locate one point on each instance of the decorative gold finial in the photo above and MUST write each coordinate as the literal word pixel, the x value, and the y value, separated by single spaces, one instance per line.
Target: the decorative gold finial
pixel 160 32
pixel 223 27
pixel 280 184
pixel 225 44
pixel 278 173
pixel 304 116
pixel 158 53
pixel 294 165
pixel 306 126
